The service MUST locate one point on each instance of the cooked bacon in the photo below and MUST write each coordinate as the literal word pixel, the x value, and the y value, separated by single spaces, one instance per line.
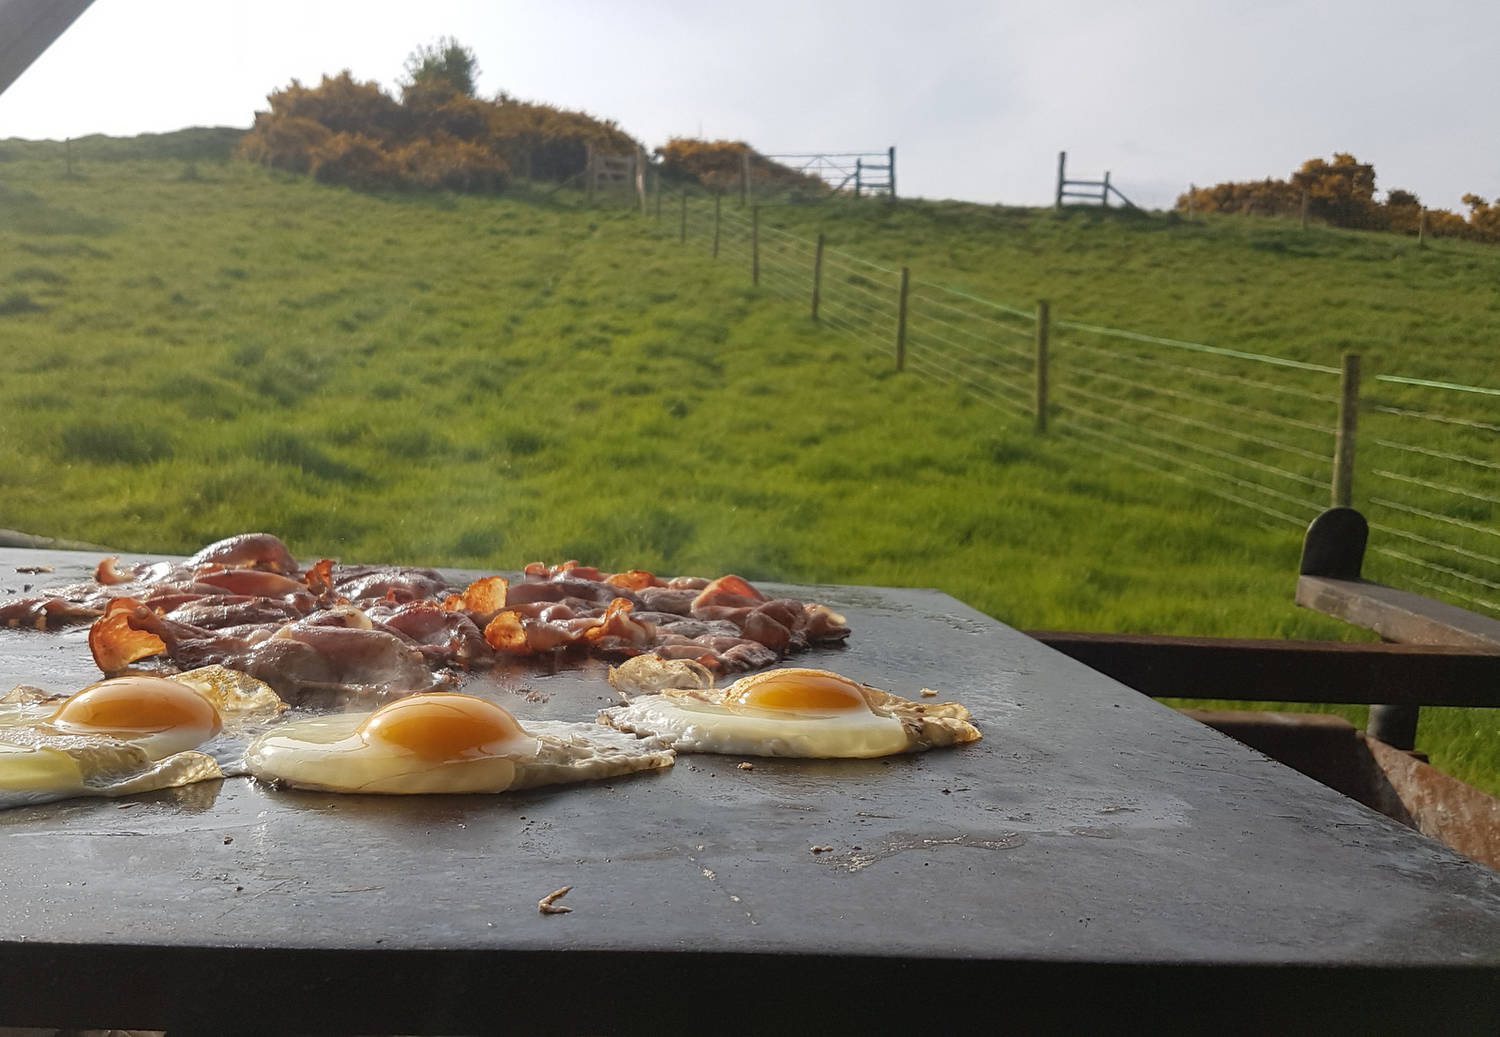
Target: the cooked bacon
pixel 563 586
pixel 635 579
pixel 484 596
pixel 229 610
pixel 821 623
pixel 319 578
pixel 254 581
pixel 304 662
pixel 667 599
pixel 764 628
pixel 115 643
pixel 367 631
pixel 105 572
pixel 727 592
pixel 620 630
pixel 515 634
pixel 445 637
pixel 392 583
pixel 247 551
pixel 44 613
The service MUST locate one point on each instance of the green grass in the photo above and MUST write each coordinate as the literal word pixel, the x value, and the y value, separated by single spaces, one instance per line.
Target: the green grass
pixel 486 382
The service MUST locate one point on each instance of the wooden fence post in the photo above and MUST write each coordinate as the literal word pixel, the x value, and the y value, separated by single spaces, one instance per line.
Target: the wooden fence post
pixel 589 173
pixel 755 245
pixel 901 322
pixel 1062 165
pixel 858 170
pixel 817 276
pixel 1043 333
pixel 718 199
pixel 640 177
pixel 892 156
pixel 682 233
pixel 1104 192
pixel 1343 446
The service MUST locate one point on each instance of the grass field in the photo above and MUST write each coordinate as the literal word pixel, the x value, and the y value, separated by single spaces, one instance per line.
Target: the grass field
pixel 197 350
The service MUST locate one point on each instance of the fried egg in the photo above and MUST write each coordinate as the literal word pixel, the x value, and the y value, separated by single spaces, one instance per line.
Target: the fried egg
pixel 127 734
pixel 789 712
pixel 443 742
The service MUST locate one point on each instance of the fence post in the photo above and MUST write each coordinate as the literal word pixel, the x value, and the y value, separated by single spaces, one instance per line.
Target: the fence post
pixel 640 178
pixel 901 322
pixel 1043 333
pixel 1104 194
pixel 755 245
pixel 817 276
pixel 858 169
pixel 682 232
pixel 1343 444
pixel 1062 165
pixel 589 174
pixel 718 198
pixel 892 157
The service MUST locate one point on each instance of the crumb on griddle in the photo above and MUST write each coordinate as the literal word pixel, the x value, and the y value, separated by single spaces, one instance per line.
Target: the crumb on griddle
pixel 548 904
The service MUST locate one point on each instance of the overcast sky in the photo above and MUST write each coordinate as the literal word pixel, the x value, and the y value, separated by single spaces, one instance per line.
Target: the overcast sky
pixel 978 98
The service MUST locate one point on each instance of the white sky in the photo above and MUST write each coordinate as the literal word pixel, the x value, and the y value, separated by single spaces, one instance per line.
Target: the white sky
pixel 978 98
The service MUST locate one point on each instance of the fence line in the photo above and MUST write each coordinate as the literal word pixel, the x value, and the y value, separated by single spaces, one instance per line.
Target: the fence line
pixel 1271 435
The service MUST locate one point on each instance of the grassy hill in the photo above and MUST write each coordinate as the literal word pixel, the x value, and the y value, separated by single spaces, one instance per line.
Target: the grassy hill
pixel 200 347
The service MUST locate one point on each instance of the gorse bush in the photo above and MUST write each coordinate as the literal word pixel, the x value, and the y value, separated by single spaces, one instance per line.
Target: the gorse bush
pixel 1342 194
pixel 452 164
pixel 721 164
pixel 437 136
pixel 545 142
pixel 347 132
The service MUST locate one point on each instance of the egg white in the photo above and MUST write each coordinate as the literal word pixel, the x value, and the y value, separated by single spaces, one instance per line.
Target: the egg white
pixel 327 753
pixel 691 725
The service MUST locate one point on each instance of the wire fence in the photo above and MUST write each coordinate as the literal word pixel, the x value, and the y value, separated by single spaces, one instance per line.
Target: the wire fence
pixel 1260 432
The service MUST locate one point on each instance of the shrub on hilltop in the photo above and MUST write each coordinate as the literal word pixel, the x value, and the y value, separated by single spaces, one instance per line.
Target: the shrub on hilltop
pixel 1342 194
pixel 720 164
pixel 437 136
pixel 343 131
pixel 545 142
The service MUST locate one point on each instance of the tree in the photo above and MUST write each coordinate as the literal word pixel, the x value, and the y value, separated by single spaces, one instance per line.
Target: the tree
pixel 446 66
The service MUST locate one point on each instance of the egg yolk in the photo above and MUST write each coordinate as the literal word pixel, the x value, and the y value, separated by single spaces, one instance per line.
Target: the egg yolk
pixel 442 726
pixel 137 705
pixel 812 690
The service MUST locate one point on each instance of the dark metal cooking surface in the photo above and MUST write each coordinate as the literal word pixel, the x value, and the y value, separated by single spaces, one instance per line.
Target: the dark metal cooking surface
pixel 1093 843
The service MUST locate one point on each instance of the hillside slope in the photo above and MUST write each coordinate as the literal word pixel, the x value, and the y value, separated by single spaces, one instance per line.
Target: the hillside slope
pixel 484 382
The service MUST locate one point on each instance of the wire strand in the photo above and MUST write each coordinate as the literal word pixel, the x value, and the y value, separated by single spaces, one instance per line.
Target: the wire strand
pixel 1201 448
pixel 1439 454
pixel 1197 347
